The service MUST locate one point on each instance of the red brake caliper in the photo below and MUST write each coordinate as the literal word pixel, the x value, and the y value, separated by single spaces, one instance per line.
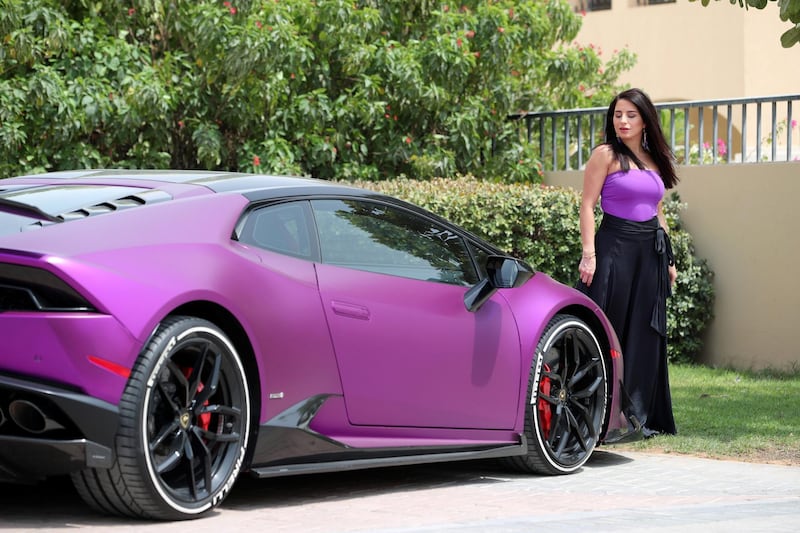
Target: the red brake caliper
pixel 204 420
pixel 545 412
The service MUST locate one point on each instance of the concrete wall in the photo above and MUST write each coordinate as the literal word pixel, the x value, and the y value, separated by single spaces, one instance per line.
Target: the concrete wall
pixel 744 221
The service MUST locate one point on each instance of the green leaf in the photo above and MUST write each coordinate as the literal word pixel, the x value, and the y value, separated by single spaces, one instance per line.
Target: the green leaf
pixel 791 37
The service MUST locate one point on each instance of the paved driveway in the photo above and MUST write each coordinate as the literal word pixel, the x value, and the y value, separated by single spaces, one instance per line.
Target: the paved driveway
pixel 615 491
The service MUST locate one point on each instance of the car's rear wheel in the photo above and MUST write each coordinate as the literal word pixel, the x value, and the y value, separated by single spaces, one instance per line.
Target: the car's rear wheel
pixel 183 428
pixel 567 394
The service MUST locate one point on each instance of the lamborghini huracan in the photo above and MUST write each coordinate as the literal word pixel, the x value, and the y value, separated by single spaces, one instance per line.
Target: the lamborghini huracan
pixel 164 332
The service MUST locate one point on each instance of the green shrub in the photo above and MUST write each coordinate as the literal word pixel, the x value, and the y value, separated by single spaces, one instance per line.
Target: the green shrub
pixel 335 89
pixel 539 223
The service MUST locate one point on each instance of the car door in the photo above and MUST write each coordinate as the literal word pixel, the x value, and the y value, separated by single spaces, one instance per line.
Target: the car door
pixel 392 284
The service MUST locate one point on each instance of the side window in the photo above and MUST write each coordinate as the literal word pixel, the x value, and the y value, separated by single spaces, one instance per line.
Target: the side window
pixel 481 256
pixel 379 238
pixel 281 228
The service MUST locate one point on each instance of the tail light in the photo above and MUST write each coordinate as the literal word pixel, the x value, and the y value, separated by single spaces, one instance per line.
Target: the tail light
pixel 25 288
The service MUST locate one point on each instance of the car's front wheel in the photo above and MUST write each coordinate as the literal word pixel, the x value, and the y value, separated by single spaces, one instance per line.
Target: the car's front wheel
pixel 183 428
pixel 567 394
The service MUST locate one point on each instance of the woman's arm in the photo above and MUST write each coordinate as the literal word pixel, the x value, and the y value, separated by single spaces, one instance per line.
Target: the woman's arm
pixel 593 178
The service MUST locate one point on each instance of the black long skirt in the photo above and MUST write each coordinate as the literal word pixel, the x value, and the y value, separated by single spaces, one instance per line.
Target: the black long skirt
pixel 631 285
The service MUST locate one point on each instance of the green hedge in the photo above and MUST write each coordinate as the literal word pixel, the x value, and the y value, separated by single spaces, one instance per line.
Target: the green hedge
pixel 539 223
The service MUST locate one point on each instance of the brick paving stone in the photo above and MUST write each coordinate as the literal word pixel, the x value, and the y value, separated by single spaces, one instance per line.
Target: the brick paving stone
pixel 615 491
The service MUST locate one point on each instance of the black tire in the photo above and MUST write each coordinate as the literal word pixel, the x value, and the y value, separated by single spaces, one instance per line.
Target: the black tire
pixel 567 392
pixel 183 428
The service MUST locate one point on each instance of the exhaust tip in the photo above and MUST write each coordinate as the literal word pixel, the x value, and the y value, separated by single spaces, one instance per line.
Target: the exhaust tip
pixel 30 417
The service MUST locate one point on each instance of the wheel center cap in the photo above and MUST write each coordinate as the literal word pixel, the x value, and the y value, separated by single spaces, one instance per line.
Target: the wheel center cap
pixel 185 419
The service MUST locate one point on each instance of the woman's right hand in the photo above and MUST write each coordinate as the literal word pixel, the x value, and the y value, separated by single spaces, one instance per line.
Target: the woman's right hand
pixel 587 268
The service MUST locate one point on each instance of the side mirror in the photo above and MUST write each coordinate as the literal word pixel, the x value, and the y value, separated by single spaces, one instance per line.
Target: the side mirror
pixel 503 273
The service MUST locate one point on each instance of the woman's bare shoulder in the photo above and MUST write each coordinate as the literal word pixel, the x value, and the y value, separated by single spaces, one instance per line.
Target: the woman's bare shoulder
pixel 603 151
pixel 604 157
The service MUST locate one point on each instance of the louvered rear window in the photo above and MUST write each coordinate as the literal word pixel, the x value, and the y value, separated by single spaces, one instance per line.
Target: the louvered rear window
pixel 69 202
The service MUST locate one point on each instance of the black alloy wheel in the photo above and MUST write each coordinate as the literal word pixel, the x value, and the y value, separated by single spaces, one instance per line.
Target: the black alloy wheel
pixel 568 399
pixel 184 427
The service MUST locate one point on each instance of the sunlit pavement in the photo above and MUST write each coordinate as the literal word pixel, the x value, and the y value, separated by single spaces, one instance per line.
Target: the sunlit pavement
pixel 615 491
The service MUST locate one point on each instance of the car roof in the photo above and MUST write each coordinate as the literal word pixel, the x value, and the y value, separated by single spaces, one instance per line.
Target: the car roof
pixel 216 181
pixel 68 195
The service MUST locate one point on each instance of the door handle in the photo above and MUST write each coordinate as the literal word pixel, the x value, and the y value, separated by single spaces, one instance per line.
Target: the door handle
pixel 350 310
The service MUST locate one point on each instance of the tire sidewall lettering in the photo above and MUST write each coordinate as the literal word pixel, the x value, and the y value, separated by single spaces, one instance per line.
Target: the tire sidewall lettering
pixel 162 359
pixel 223 491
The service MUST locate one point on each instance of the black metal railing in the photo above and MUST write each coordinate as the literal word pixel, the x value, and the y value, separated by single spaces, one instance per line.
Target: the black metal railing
pixel 738 130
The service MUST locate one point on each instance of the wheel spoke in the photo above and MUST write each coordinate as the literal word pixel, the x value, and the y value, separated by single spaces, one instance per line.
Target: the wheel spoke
pixel 562 441
pixel 576 431
pixel 557 422
pixel 167 431
pixel 586 416
pixel 557 380
pixel 210 385
pixel 196 374
pixel 176 372
pixel 582 372
pixel 173 457
pixel 549 399
pixel 206 457
pixel 575 352
pixel 190 464
pixel 590 390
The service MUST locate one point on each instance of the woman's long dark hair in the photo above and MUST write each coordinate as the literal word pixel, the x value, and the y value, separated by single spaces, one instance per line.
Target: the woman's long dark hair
pixel 657 145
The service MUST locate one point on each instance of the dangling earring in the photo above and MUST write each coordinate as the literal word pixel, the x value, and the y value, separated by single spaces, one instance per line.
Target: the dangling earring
pixel 644 141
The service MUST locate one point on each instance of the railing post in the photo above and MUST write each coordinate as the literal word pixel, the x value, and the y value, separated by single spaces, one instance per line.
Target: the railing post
pixel 789 130
pixel 775 129
pixel 686 135
pixel 715 133
pixel 729 134
pixel 758 132
pixel 744 133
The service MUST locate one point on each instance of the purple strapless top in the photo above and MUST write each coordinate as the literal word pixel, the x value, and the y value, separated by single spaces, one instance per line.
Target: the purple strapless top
pixel 633 194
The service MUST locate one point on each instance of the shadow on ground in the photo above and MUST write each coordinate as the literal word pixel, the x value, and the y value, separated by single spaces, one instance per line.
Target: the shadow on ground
pixel 54 503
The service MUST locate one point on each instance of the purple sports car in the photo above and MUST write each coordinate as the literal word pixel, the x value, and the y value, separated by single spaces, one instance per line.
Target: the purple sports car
pixel 163 332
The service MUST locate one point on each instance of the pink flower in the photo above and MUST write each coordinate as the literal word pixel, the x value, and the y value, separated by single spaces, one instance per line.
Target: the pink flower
pixel 706 146
pixel 722 148
pixel 256 161
pixel 794 124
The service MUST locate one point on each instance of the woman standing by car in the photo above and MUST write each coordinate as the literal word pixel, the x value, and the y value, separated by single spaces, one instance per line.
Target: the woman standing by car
pixel 627 267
